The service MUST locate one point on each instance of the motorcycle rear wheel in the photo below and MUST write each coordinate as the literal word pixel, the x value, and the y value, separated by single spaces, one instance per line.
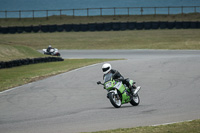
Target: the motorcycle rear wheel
pixel 114 100
pixel 135 100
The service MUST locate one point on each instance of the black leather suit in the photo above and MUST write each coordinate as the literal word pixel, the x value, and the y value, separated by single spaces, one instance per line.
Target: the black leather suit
pixel 118 76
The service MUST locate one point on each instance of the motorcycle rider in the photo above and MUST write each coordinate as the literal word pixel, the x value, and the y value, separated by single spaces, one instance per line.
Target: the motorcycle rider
pixel 49 48
pixel 106 68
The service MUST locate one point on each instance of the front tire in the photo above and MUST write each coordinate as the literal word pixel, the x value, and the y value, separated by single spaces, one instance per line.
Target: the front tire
pixel 114 100
pixel 135 100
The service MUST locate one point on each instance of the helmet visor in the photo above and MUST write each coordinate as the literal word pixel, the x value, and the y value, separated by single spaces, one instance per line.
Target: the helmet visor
pixel 105 69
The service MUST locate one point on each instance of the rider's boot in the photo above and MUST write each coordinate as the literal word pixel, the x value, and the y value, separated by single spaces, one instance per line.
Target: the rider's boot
pixel 132 89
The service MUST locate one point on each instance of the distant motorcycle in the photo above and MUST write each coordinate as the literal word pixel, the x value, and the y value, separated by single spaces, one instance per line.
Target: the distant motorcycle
pixel 53 51
pixel 119 93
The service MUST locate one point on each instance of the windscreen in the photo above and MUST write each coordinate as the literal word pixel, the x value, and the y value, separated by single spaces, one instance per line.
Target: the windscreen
pixel 107 77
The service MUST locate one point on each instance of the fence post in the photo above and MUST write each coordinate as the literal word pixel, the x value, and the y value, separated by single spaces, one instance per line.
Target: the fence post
pixel 33 15
pixel 87 12
pixel 195 10
pixel 128 11
pixel 5 14
pixel 141 10
pixel 101 12
pixel 73 13
pixel 19 14
pixel 47 14
pixel 182 10
pixel 114 11
pixel 168 10
pixel 60 13
pixel 154 10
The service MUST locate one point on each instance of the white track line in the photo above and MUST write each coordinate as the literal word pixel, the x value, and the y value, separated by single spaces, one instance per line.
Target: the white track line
pixel 170 123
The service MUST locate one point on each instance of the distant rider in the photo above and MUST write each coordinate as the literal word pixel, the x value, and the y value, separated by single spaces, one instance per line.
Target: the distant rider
pixel 106 68
pixel 49 49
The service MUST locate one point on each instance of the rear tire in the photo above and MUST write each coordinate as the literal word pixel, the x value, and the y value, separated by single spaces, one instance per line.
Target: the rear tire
pixel 114 101
pixel 135 100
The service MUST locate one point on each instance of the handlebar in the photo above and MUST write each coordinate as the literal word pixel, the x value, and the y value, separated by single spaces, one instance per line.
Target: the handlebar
pixel 99 82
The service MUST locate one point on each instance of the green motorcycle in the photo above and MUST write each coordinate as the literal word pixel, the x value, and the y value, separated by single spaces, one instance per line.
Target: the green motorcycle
pixel 119 93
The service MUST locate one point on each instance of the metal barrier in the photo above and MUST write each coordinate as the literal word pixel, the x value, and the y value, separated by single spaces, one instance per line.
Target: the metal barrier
pixel 100 11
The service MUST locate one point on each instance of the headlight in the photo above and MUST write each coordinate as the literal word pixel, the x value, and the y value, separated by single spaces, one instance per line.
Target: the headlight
pixel 109 84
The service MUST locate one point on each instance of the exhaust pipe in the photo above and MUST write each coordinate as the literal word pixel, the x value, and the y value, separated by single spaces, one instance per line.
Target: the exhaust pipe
pixel 137 90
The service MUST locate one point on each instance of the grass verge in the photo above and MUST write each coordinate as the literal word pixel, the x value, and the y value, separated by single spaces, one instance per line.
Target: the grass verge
pixel 182 127
pixel 130 39
pixel 12 52
pixel 12 77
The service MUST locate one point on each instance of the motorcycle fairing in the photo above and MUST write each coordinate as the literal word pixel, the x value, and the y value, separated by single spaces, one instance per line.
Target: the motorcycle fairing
pixel 118 86
pixel 125 97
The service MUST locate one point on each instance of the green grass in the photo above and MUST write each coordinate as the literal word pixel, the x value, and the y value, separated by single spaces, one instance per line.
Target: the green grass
pixel 12 77
pixel 183 127
pixel 130 39
pixel 12 52
pixel 97 19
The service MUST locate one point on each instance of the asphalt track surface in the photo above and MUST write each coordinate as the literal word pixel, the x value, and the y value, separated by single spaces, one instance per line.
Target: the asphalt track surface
pixel 73 102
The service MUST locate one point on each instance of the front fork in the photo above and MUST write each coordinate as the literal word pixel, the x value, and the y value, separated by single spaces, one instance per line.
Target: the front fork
pixel 115 92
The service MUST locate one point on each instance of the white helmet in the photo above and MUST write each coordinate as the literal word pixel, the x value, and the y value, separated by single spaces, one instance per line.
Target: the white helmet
pixel 106 68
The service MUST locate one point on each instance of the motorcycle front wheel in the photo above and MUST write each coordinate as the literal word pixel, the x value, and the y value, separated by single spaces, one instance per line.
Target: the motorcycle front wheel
pixel 114 100
pixel 135 100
